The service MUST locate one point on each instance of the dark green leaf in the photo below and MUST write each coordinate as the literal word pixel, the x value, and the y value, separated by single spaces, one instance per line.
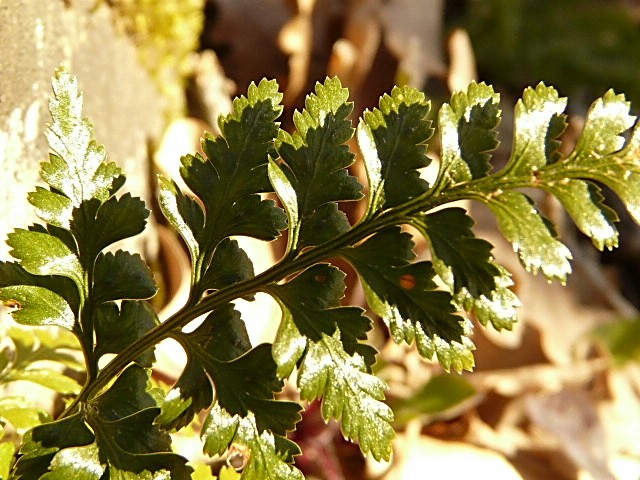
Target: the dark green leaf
pixel 224 332
pixel 228 180
pixel 68 432
pixel 37 306
pixel 461 259
pixel 234 172
pixel 249 130
pixel 134 444
pixel 393 143
pixel 122 276
pixel 467 133
pixel 404 295
pixel 252 217
pixel 245 380
pixel 97 225
pixel 531 235
pixel 40 445
pixel 315 158
pixel 127 436
pixel 332 367
pixel 243 213
pixel 318 287
pixel 230 264
pixel 127 396
pixel 116 328
pixel 12 273
pixel 246 386
pixel 310 304
pixel 324 224
pixel 34 460
pixel 128 439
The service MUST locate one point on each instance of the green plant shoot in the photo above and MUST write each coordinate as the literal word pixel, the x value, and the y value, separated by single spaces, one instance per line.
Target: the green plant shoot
pixel 65 275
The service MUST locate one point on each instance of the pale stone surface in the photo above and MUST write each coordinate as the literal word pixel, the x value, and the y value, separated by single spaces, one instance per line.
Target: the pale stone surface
pixel 36 36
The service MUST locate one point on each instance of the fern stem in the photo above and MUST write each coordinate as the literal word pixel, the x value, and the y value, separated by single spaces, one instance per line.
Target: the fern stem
pixel 283 269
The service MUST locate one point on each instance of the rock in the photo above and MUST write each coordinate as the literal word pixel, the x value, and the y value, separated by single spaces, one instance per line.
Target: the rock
pixel 120 99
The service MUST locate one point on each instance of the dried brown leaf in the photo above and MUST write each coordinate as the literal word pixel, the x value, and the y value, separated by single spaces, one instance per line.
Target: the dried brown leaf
pixel 572 418
pixel 415 455
pixel 413 32
pixel 462 61
pixel 353 55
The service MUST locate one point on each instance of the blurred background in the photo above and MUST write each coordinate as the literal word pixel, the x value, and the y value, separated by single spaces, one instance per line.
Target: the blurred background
pixel 556 398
